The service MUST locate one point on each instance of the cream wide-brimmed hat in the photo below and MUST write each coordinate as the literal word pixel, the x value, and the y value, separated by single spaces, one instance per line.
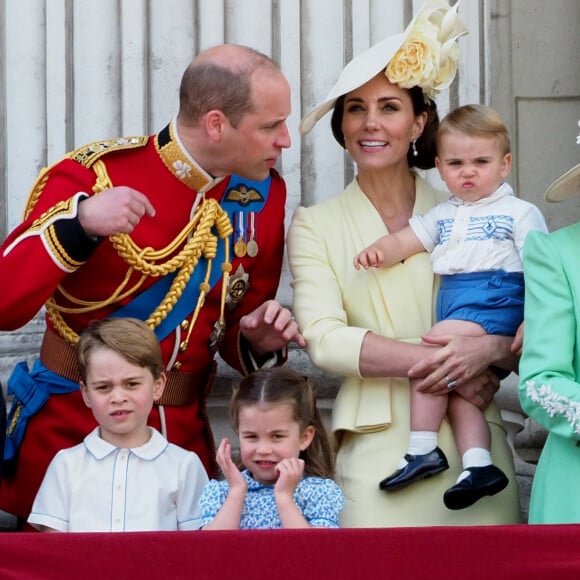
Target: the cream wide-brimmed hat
pixel 424 55
pixel 565 187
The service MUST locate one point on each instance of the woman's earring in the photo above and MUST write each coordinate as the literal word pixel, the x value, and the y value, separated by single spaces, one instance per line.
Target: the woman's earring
pixel 414 147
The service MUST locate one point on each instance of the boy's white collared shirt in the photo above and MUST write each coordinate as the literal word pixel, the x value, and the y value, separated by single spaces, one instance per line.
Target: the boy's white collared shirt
pixel 97 487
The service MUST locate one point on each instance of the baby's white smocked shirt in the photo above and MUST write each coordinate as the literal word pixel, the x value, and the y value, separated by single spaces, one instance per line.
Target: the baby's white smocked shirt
pixel 479 236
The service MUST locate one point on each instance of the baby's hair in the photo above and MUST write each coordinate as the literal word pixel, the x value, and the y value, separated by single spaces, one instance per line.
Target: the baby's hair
pixel 476 121
pixel 281 385
pixel 128 337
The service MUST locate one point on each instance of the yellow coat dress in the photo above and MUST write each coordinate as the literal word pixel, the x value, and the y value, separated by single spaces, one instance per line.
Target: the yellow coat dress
pixel 335 306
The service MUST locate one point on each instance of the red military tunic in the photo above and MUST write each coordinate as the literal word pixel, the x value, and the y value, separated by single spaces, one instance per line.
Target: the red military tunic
pixel 49 255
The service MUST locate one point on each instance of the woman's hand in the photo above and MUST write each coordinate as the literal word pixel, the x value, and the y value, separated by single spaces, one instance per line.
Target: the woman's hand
pixel 459 359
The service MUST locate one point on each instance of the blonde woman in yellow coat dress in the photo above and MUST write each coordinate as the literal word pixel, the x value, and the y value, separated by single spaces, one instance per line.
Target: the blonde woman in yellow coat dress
pixel 367 325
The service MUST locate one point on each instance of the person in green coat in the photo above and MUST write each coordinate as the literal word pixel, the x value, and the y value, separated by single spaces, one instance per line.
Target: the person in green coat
pixel 550 364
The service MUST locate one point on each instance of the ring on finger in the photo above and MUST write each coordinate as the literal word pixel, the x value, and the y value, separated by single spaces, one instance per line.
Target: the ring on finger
pixel 451 384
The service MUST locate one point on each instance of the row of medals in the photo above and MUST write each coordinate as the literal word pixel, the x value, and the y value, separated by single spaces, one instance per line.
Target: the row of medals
pixel 244 222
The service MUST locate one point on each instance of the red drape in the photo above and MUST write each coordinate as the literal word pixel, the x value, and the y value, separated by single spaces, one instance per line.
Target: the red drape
pixel 495 552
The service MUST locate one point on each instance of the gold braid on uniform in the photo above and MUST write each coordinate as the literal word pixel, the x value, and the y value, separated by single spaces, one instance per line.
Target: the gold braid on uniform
pixel 197 240
pixel 36 191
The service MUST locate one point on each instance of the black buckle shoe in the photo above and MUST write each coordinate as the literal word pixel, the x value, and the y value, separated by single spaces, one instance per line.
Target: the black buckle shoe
pixel 481 481
pixel 418 467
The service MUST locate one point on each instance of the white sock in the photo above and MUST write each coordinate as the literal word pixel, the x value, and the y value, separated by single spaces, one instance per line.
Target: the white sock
pixel 420 443
pixel 474 457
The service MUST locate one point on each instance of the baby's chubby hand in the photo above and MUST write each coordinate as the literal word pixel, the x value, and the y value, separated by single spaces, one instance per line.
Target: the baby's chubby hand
pixel 370 257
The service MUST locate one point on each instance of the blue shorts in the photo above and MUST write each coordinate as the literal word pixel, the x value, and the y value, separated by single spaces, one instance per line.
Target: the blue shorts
pixel 494 300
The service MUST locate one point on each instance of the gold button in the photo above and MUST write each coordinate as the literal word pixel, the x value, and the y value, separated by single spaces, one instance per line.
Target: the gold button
pixel 185 325
pixel 176 366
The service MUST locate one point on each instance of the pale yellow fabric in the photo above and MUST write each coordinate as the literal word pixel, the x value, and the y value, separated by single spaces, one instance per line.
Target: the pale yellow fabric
pixel 335 306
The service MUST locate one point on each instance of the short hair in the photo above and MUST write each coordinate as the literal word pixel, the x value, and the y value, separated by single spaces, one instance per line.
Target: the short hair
pixel 476 121
pixel 128 337
pixel 281 385
pixel 209 84
pixel 425 144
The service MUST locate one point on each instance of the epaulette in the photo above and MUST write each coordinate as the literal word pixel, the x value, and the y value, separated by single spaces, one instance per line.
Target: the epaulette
pixel 88 154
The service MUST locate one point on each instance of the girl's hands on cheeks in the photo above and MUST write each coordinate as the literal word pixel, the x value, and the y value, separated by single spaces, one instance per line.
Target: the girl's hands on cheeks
pixel 290 471
pixel 228 467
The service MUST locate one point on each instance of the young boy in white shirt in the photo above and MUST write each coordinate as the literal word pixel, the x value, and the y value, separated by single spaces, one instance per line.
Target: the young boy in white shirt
pixel 476 240
pixel 124 476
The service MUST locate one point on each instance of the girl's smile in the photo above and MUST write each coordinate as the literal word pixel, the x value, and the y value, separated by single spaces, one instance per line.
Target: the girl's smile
pixel 268 434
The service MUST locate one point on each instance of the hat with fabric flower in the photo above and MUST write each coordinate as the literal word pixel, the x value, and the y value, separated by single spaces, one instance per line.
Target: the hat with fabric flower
pixel 424 55
pixel 566 186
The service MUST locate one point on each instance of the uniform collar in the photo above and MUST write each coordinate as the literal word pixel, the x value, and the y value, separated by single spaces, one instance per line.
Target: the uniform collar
pixel 100 448
pixel 180 163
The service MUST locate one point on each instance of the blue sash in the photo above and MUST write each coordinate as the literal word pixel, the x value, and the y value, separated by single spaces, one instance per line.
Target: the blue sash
pixel 142 305
pixel 31 389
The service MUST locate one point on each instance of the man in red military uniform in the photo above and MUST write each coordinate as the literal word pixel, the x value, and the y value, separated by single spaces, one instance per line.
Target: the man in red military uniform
pixel 183 229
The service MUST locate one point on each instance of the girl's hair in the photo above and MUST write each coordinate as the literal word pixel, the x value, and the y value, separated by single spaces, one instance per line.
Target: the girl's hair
pixel 128 337
pixel 476 121
pixel 425 145
pixel 281 385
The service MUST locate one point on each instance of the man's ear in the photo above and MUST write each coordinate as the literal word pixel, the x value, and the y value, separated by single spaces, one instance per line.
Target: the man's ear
pixel 215 124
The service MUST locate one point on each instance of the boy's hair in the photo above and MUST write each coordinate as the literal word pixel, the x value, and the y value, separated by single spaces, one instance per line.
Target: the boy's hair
pixel 128 337
pixel 476 121
pixel 281 385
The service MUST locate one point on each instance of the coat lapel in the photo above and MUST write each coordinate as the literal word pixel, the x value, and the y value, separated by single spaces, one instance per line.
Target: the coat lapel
pixel 402 296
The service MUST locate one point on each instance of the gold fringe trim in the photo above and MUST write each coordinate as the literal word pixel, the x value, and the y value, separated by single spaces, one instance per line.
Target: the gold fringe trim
pixel 197 240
